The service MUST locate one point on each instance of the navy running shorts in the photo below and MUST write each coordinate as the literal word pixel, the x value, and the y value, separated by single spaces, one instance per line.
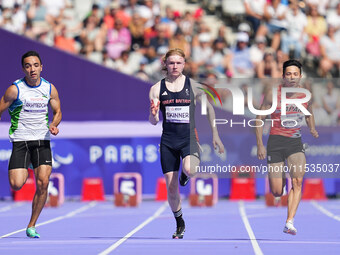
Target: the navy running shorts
pixel 171 154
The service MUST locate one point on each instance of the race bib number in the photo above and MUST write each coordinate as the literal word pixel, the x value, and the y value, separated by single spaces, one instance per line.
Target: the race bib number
pixel 177 114
pixel 36 104
pixel 294 120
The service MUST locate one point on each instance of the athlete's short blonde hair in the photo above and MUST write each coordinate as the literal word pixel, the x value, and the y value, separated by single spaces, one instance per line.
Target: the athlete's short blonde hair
pixel 175 51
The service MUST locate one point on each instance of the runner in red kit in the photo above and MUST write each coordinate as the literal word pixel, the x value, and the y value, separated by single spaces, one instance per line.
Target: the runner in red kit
pixel 285 143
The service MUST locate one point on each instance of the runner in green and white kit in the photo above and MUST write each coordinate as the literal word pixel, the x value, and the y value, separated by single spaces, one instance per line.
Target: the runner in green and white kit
pixel 27 101
pixel 29 112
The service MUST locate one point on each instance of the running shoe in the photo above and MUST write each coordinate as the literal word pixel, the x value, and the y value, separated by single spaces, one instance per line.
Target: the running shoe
pixel 30 232
pixel 289 228
pixel 179 233
pixel 183 179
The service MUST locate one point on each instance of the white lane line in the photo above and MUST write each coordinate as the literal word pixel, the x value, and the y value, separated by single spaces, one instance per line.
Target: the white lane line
pixel 68 215
pixel 10 207
pixel 251 235
pixel 325 211
pixel 261 215
pixel 135 230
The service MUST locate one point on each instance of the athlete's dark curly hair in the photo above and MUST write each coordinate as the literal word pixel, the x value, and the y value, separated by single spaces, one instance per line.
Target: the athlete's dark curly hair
pixel 30 54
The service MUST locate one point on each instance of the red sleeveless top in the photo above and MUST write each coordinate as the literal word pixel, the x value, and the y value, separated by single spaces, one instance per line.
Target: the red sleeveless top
pixel 288 125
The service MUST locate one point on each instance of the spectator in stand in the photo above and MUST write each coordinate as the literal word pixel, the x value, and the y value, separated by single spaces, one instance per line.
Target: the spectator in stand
pixel 331 103
pixel 187 25
pixel 175 24
pixel 333 18
pixel 198 22
pixel 295 36
pixel 90 37
pixel 179 41
pixel 280 59
pixel 192 70
pixel 122 15
pixel 148 11
pixel 161 40
pixel 132 7
pixel 315 29
pixel 218 57
pixel 141 73
pixel 94 15
pixel 151 32
pixel 169 15
pixel 321 5
pixel 7 4
pixel 118 40
pixel 238 63
pixel 7 22
pixel 244 27
pixel 107 61
pixel 221 35
pixel 125 65
pixel 257 50
pixel 154 68
pixel 201 48
pixel 267 68
pixel 136 28
pixel 330 53
pixel 254 12
pixel 55 11
pixel 275 15
pixel 36 15
pixel 63 41
pixel 109 16
pixel 19 19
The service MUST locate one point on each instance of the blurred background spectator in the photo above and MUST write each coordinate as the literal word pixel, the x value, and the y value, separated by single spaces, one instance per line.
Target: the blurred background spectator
pixel 331 103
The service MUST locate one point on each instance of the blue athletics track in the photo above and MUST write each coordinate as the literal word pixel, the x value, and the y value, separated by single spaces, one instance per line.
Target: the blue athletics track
pixel 241 227
pixel 227 228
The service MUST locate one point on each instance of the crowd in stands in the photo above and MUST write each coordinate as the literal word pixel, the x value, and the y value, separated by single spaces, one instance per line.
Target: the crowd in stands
pixel 132 36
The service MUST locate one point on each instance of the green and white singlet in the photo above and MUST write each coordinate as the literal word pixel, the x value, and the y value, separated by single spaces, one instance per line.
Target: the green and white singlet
pixel 29 112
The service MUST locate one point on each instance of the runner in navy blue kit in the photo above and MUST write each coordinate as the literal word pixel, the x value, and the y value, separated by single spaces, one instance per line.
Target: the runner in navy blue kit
pixel 175 96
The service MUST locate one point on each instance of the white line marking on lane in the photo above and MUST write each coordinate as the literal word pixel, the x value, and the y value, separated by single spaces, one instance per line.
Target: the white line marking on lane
pixel 135 230
pixel 251 235
pixel 325 211
pixel 69 215
pixel 10 207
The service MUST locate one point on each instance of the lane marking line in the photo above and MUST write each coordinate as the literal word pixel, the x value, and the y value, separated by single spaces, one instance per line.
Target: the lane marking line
pixel 10 207
pixel 251 235
pixel 135 230
pixel 68 215
pixel 325 211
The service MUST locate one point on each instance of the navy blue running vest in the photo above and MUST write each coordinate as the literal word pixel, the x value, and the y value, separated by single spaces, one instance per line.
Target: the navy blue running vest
pixel 178 110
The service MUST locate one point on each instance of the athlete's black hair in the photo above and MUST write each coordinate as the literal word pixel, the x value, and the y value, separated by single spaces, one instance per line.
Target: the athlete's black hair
pixel 291 62
pixel 31 53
